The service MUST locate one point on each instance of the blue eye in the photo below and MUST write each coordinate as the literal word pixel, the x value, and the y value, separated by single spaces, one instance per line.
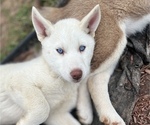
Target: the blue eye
pixel 82 48
pixel 60 51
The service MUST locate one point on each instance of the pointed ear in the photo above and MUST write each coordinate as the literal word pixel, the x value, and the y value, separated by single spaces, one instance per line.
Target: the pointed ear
pixel 91 21
pixel 42 26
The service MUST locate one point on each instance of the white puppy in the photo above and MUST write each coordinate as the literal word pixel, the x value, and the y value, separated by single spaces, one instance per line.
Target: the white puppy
pixel 45 89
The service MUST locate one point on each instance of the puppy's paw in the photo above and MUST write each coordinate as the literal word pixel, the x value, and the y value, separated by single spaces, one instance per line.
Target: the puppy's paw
pixel 21 122
pixel 85 116
pixel 111 119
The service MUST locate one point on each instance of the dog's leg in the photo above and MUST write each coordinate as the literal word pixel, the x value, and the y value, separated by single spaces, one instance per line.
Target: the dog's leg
pixel 98 86
pixel 84 108
pixel 98 83
pixel 35 105
pixel 60 118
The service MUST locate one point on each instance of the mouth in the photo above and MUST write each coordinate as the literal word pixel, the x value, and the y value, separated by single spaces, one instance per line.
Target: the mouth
pixel 76 81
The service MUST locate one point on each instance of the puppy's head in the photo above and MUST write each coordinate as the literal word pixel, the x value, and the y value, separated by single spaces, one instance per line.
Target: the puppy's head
pixel 68 45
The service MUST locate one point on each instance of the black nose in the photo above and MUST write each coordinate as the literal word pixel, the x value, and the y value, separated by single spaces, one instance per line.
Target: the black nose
pixel 76 74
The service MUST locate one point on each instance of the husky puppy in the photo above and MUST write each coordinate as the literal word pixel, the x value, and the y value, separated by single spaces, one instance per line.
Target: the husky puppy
pixel 119 19
pixel 45 89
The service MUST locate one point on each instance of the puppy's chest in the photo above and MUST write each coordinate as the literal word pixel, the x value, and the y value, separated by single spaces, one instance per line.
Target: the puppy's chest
pixel 61 95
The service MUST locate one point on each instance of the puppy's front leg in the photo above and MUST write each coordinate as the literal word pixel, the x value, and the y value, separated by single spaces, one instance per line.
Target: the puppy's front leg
pixel 84 108
pixel 98 86
pixel 35 106
pixel 61 118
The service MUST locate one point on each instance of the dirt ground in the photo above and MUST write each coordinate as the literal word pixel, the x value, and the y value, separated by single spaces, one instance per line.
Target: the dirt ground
pixel 15 23
pixel 141 112
pixel 10 8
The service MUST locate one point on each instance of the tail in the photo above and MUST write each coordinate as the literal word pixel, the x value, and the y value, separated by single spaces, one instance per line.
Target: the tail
pixel 136 25
pixel 137 15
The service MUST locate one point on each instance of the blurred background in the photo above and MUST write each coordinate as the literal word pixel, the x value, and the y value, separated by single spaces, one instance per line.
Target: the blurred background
pixel 15 22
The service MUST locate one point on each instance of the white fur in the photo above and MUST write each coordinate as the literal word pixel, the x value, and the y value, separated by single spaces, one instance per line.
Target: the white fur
pixel 43 90
pixel 72 58
pixel 92 25
pixel 134 25
pixel 84 107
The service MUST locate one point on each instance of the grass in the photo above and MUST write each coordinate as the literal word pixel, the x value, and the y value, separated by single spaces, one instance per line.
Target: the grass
pixel 20 25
